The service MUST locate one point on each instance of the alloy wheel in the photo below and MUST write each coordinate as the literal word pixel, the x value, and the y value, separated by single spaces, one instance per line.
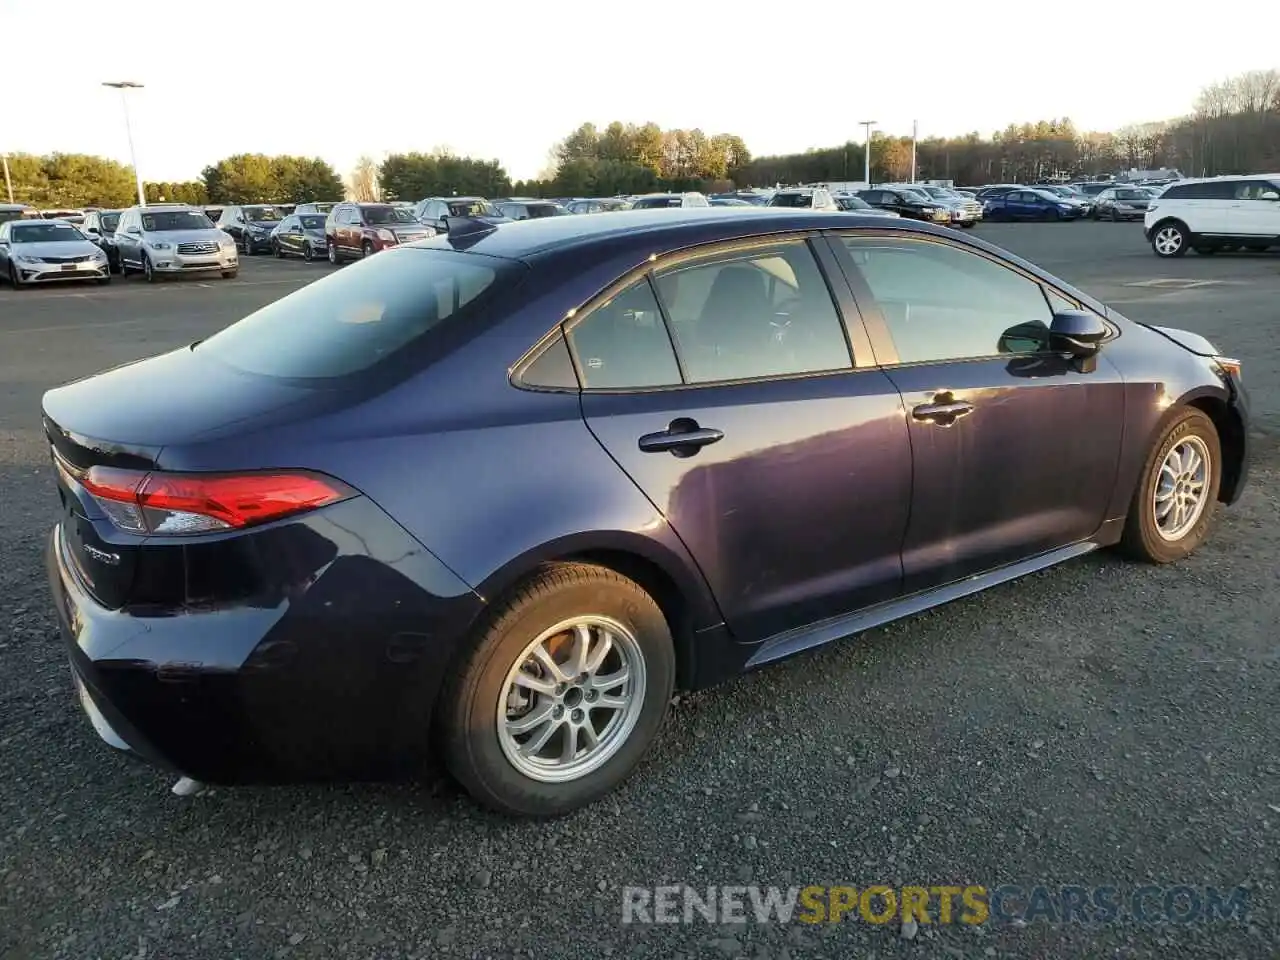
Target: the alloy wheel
pixel 1181 488
pixel 333 252
pixel 572 699
pixel 1168 241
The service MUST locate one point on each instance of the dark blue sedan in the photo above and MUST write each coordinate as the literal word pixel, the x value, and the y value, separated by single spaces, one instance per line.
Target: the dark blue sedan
pixel 503 491
pixel 1031 204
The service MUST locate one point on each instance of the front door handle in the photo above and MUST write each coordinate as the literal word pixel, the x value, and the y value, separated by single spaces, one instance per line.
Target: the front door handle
pixel 683 438
pixel 943 410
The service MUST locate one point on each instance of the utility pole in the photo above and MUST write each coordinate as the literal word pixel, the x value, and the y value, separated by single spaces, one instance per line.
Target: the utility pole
pixel 866 150
pixel 124 86
pixel 8 184
pixel 914 134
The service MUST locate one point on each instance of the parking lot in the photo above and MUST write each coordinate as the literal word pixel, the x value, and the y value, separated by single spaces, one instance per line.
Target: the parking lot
pixel 1100 724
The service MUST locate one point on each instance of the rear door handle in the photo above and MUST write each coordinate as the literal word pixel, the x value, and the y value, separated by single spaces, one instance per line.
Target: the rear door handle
pixel 683 438
pixel 944 410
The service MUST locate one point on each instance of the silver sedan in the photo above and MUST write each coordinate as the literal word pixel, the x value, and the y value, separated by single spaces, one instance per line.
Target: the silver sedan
pixel 47 251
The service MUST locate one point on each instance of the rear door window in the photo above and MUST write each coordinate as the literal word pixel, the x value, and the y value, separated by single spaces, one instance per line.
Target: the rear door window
pixel 355 319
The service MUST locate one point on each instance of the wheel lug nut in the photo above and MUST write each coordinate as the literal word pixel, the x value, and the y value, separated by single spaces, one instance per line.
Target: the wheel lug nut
pixel 591 694
pixel 577 715
pixel 559 711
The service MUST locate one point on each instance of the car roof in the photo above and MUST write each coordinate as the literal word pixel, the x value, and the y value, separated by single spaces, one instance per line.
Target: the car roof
pixel 656 229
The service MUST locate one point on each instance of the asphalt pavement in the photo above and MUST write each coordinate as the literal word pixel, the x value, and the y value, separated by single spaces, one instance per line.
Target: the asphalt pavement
pixel 1101 724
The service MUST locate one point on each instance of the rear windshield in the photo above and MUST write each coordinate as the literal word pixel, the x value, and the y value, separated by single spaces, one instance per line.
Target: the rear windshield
pixel 353 319
pixel 473 208
pixel 376 215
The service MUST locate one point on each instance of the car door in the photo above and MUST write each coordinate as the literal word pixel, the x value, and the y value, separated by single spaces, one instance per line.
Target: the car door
pixel 129 238
pixel 1253 216
pixel 1015 448
pixel 722 384
pixel 4 248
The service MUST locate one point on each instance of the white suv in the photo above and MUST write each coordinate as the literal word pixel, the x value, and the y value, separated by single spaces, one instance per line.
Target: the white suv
pixel 1222 213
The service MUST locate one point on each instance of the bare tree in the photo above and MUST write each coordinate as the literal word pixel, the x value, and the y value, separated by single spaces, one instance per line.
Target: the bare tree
pixel 362 184
pixel 1256 90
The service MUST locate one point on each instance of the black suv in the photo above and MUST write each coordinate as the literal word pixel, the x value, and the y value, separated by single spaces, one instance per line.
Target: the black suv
pixel 906 203
pixel 251 225
pixel 100 227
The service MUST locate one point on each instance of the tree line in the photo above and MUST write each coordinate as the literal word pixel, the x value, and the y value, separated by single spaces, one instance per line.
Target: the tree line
pixel 74 181
pixel 1234 127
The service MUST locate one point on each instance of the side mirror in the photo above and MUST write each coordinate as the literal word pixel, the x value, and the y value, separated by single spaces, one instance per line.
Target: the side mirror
pixel 93 230
pixel 1077 332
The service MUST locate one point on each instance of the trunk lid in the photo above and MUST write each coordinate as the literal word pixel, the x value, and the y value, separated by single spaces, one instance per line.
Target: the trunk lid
pixel 124 418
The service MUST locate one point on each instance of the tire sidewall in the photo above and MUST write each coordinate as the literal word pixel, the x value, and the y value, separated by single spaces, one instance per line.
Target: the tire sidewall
pixel 1191 422
pixel 1174 225
pixel 475 754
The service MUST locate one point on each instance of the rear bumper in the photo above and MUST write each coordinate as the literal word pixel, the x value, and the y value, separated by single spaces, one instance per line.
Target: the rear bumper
pixel 332 672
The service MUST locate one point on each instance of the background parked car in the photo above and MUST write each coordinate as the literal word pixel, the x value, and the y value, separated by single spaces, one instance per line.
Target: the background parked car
pixel 808 198
pixel 530 209
pixel 172 239
pixel 1120 203
pixel 906 203
pixel 300 235
pixel 597 205
pixel 49 252
pixel 1031 203
pixel 435 211
pixel 18 211
pixel 355 230
pixel 658 201
pixel 100 227
pixel 851 204
pixel 250 225
pixel 318 207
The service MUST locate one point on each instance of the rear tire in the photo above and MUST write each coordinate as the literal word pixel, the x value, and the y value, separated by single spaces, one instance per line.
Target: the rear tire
pixel 558 607
pixel 1169 478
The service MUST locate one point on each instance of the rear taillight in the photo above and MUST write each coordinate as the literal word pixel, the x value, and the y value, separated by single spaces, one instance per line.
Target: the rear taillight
pixel 184 503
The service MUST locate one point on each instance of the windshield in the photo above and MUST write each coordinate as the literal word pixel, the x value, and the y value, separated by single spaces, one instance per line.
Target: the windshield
pixel 1048 195
pixel 353 319
pixel 45 233
pixel 792 200
pixel 312 221
pixel 175 220
pixel 376 215
pixel 109 222
pixel 7 215
pixel 473 208
pixel 854 203
pixel 261 214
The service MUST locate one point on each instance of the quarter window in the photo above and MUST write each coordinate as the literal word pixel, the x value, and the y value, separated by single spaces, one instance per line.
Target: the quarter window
pixel 943 303
pixel 623 343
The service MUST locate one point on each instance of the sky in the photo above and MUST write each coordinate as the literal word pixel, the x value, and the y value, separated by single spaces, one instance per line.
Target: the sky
pixel 504 80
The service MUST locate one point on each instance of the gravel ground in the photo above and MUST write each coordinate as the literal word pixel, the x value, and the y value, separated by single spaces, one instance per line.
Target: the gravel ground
pixel 1102 723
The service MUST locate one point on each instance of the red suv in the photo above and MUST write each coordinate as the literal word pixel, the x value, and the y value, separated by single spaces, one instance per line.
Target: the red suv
pixel 355 230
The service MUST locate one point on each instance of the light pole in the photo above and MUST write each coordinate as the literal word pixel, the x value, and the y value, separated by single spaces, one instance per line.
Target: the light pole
pixel 8 184
pixel 866 151
pixel 124 86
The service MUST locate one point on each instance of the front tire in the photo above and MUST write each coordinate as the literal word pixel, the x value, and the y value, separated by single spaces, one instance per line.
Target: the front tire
pixel 148 271
pixel 1173 505
pixel 563 692
pixel 366 249
pixel 275 248
pixel 1170 239
pixel 333 252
